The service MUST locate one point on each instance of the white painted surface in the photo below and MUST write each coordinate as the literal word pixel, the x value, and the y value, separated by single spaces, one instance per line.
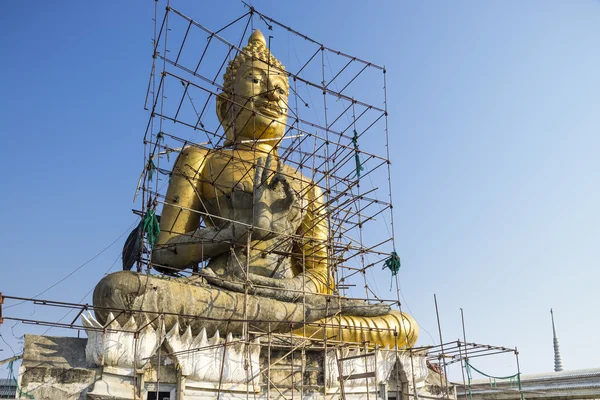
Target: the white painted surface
pixel 213 359
pixel 116 346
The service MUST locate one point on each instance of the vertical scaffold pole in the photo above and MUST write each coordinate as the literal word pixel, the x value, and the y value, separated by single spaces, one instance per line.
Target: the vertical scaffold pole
pixel 519 374
pixel 442 358
pixel 462 319
pixel 462 365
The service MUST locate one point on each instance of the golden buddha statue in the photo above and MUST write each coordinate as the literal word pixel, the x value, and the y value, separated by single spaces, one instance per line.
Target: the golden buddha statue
pixel 264 235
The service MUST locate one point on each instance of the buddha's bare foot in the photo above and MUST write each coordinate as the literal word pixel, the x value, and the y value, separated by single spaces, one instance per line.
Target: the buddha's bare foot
pixel 358 308
pixel 234 284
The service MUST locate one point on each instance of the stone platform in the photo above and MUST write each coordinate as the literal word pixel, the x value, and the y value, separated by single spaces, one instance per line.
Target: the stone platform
pixel 179 366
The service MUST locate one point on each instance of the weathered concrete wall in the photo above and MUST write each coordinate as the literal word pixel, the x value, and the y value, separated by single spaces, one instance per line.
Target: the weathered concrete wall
pixel 55 368
pixel 293 371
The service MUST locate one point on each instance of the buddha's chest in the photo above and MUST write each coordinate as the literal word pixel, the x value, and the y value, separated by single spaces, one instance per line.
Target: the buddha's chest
pixel 228 173
pixel 229 186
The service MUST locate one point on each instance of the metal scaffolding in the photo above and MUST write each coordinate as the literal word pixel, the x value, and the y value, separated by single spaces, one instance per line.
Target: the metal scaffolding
pixel 336 136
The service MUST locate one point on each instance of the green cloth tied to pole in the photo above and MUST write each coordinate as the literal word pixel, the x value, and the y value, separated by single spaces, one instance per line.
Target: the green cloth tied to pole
pixel 151 168
pixel 359 166
pixel 392 263
pixel 151 227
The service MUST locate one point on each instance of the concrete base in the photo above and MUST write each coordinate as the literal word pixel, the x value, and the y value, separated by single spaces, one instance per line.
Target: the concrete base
pixel 56 368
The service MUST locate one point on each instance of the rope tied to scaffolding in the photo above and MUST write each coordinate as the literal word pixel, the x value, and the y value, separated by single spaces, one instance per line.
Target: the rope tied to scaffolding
pixel 514 380
pixel 151 227
pixel 13 380
pixel 359 166
pixel 392 263
pixel 152 167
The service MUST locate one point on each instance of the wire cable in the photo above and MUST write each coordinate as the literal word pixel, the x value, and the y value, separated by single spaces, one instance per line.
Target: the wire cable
pixel 78 268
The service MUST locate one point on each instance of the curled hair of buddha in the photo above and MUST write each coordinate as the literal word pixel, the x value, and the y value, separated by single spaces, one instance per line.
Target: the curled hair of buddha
pixel 256 49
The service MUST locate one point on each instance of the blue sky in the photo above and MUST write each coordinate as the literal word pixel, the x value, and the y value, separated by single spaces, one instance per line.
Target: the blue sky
pixel 493 125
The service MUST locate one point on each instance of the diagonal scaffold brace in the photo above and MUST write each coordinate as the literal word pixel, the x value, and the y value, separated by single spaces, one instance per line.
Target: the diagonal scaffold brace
pixel 1 302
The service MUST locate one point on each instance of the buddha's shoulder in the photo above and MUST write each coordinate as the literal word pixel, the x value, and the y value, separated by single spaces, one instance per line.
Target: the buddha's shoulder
pixel 209 154
pixel 297 175
pixel 228 155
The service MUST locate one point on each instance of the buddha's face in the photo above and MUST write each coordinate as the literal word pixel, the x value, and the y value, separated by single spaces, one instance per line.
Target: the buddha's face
pixel 259 104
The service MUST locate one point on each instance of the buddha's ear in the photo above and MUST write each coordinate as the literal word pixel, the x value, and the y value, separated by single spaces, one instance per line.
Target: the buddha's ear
pixel 223 106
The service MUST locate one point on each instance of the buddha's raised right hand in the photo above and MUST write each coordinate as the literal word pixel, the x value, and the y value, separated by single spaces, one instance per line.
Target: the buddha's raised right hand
pixel 276 209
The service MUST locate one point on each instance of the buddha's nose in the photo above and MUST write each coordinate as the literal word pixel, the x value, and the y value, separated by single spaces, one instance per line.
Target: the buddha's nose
pixel 273 91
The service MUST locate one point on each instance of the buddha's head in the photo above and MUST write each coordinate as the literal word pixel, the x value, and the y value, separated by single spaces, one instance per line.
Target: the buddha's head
pixel 254 101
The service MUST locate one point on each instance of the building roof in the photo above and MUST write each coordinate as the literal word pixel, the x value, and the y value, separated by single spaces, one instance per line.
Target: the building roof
pixel 570 384
pixel 8 389
pixel 551 376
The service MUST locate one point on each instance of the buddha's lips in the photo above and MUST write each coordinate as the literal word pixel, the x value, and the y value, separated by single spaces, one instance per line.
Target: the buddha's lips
pixel 270 110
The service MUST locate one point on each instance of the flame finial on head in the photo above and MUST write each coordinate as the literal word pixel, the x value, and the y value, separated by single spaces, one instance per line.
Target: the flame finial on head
pixel 257 36
pixel 256 49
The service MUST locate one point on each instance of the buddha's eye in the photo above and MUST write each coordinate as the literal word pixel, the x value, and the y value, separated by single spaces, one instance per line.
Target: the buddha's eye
pixel 281 91
pixel 254 79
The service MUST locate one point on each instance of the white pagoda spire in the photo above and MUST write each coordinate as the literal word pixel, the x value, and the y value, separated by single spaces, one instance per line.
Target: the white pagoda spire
pixel 557 361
